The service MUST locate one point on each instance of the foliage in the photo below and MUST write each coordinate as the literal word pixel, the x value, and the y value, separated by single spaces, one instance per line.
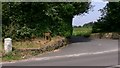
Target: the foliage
pixel 110 21
pixel 31 19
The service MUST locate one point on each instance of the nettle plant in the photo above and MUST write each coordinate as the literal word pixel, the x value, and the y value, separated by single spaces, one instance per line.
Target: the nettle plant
pixel 24 32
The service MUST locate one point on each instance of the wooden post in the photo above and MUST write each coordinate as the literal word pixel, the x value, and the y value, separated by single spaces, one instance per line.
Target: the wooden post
pixel 47 36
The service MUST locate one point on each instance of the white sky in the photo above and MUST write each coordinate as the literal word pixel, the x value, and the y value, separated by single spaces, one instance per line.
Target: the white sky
pixel 91 16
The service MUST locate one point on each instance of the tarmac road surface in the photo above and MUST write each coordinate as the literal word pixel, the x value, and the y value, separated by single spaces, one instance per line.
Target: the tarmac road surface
pixel 80 52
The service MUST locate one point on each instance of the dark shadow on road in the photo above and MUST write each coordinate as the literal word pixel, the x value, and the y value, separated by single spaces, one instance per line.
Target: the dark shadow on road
pixel 76 39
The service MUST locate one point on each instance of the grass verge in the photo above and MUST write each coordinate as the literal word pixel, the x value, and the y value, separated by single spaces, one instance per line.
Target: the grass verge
pixel 29 48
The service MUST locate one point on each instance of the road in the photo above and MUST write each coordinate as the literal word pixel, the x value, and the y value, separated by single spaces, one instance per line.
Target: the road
pixel 80 52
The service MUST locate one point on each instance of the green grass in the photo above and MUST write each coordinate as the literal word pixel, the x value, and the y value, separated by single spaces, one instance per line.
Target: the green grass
pixel 1 51
pixel 12 56
pixel 82 31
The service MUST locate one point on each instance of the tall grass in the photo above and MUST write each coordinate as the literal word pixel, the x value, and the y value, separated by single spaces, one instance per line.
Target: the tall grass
pixel 83 31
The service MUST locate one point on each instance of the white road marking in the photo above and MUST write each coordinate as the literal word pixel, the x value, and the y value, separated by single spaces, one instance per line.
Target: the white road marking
pixel 64 56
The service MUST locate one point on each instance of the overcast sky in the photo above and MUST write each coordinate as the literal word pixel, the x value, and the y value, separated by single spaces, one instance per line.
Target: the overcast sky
pixel 91 16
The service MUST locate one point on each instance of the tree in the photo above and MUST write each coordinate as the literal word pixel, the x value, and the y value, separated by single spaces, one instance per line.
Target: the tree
pixel 27 19
pixel 110 21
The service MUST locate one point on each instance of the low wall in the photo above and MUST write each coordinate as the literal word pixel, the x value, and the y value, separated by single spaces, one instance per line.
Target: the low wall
pixel 111 35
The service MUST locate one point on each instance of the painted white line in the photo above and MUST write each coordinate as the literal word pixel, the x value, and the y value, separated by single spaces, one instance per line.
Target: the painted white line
pixel 64 56
pixel 105 51
pixel 117 66
pixel 74 55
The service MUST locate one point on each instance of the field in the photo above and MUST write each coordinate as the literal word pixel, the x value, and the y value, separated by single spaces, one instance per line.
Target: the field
pixel 83 31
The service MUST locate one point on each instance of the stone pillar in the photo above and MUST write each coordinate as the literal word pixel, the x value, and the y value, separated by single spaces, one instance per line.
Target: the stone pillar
pixel 7 45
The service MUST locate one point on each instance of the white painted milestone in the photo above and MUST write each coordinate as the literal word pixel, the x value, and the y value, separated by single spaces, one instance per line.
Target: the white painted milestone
pixel 7 45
